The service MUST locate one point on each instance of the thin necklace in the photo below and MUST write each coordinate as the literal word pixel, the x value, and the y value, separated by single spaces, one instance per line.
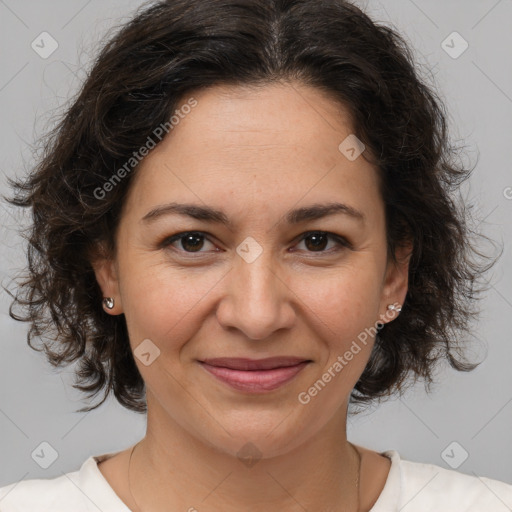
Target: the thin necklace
pixel 129 484
pixel 357 476
pixel 358 455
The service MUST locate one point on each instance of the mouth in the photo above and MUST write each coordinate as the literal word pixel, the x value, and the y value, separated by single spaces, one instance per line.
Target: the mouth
pixel 255 375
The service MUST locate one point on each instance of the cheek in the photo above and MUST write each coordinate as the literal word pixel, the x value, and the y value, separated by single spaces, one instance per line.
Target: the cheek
pixel 163 304
pixel 343 308
pixel 345 301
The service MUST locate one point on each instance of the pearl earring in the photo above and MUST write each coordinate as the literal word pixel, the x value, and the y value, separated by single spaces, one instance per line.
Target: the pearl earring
pixel 392 307
pixel 108 302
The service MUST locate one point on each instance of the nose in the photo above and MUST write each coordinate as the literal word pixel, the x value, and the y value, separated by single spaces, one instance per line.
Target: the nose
pixel 258 298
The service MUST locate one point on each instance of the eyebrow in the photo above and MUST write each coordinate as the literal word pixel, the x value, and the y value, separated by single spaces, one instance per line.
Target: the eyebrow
pixel 209 214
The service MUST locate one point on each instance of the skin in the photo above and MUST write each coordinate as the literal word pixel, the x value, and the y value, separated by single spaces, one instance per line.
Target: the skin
pixel 255 154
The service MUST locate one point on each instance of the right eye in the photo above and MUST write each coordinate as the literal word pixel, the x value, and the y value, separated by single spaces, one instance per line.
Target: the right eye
pixel 190 241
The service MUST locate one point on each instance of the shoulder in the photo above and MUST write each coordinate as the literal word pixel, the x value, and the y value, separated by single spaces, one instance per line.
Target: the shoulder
pixel 425 487
pixel 83 490
pixel 42 494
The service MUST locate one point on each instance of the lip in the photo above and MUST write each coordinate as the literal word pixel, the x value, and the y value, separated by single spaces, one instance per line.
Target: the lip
pixel 255 375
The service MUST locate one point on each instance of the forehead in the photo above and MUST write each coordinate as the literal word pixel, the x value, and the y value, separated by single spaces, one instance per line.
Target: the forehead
pixel 255 118
pixel 274 143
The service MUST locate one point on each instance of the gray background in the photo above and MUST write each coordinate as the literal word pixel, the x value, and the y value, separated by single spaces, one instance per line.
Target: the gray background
pixel 37 403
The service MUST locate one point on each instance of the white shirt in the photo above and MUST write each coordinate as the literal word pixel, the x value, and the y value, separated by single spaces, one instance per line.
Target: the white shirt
pixel 410 487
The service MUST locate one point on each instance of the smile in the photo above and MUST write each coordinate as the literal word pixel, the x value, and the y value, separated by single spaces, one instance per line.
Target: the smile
pixel 254 376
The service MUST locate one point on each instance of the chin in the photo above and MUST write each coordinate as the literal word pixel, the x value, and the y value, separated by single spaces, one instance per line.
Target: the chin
pixel 268 436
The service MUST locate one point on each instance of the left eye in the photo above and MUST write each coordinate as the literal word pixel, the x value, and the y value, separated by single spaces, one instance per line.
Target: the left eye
pixel 318 240
pixel 315 241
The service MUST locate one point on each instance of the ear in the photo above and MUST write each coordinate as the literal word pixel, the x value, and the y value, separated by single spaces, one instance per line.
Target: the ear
pixel 396 282
pixel 106 272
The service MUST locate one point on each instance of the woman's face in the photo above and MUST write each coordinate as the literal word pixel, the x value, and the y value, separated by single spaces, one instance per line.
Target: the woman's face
pixel 258 286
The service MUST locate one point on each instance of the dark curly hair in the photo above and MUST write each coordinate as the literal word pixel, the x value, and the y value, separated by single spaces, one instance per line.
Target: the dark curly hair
pixel 172 48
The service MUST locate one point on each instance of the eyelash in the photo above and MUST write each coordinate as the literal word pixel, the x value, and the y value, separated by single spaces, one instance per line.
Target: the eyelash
pixel 179 236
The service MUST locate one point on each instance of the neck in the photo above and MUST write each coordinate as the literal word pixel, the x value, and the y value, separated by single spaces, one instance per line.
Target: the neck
pixel 171 469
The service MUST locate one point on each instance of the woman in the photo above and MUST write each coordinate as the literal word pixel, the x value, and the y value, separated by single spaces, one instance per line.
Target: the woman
pixel 242 225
